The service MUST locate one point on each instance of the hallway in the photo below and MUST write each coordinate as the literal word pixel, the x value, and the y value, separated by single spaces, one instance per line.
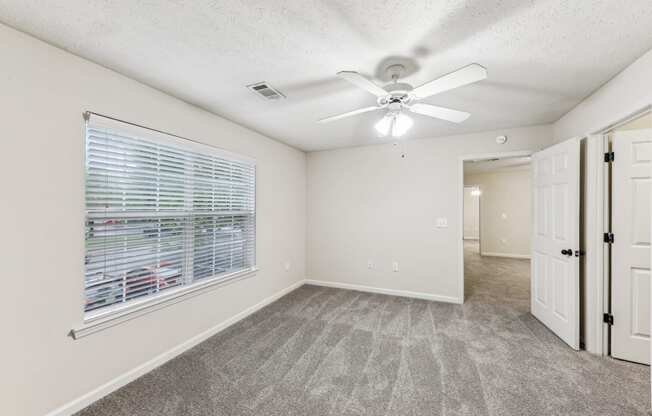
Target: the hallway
pixel 502 280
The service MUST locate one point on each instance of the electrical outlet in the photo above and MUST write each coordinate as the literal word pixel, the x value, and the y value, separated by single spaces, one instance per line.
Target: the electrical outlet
pixel 370 265
pixel 287 265
pixel 395 266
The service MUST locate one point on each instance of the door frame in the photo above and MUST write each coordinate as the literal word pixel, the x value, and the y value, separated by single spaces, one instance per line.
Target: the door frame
pixel 616 195
pixel 597 213
pixel 460 203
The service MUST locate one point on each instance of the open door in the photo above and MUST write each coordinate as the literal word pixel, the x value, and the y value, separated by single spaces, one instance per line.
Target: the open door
pixel 555 241
pixel 630 251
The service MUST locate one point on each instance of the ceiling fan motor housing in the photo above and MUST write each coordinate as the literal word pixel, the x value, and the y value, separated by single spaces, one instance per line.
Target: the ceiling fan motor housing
pixel 396 93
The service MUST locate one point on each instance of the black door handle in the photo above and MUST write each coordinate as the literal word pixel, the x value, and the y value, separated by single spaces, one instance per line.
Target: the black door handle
pixel 568 252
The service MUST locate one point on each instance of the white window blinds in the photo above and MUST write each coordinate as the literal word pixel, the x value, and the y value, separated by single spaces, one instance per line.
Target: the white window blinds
pixel 161 213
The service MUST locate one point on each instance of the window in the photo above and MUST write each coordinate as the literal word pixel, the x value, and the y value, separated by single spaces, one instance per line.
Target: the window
pixel 162 214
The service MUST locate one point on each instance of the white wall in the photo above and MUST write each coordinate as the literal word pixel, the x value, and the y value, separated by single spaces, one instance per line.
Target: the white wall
pixel 625 94
pixel 369 203
pixel 505 211
pixel 44 92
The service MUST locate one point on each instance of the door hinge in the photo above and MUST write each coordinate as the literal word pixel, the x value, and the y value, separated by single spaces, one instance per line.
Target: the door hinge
pixel 608 238
pixel 609 157
pixel 608 318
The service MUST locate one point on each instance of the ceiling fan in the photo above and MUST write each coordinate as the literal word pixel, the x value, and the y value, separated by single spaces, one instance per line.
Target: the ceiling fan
pixel 396 98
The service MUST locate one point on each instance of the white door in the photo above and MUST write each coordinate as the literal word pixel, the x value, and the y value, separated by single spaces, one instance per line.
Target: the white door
pixel 471 213
pixel 630 252
pixel 556 216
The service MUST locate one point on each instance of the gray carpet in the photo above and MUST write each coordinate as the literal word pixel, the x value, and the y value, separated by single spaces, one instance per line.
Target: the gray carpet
pixel 320 351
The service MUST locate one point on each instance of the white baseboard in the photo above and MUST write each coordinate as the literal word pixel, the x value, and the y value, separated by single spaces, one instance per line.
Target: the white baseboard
pixel 506 255
pixel 96 394
pixel 403 293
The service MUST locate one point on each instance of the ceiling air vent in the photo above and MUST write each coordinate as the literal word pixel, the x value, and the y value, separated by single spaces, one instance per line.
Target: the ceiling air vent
pixel 265 91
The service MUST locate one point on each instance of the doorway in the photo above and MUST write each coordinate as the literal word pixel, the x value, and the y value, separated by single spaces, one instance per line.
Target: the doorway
pixel 544 224
pixel 629 163
pixel 497 222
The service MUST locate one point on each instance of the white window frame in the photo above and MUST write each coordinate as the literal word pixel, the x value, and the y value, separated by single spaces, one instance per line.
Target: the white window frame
pixel 115 314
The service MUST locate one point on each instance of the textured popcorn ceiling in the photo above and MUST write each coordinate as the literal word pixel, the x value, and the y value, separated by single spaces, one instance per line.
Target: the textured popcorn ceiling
pixel 543 56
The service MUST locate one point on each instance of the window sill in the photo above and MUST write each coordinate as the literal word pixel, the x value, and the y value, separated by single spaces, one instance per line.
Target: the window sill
pixel 106 319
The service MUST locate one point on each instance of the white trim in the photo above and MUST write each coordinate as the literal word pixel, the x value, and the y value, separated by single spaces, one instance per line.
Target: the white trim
pixel 460 204
pixel 128 311
pixel 606 248
pixel 594 222
pixel 506 255
pixel 103 390
pixel 393 292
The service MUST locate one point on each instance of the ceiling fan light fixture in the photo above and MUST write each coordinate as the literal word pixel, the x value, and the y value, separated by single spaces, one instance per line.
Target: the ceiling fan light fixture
pixel 384 125
pixel 402 123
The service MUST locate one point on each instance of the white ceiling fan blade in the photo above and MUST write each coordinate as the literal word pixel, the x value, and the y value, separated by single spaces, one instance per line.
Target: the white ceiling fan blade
pixel 362 82
pixel 439 112
pixel 348 114
pixel 464 76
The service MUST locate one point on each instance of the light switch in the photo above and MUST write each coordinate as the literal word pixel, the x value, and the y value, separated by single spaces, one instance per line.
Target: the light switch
pixel 395 266
pixel 442 222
